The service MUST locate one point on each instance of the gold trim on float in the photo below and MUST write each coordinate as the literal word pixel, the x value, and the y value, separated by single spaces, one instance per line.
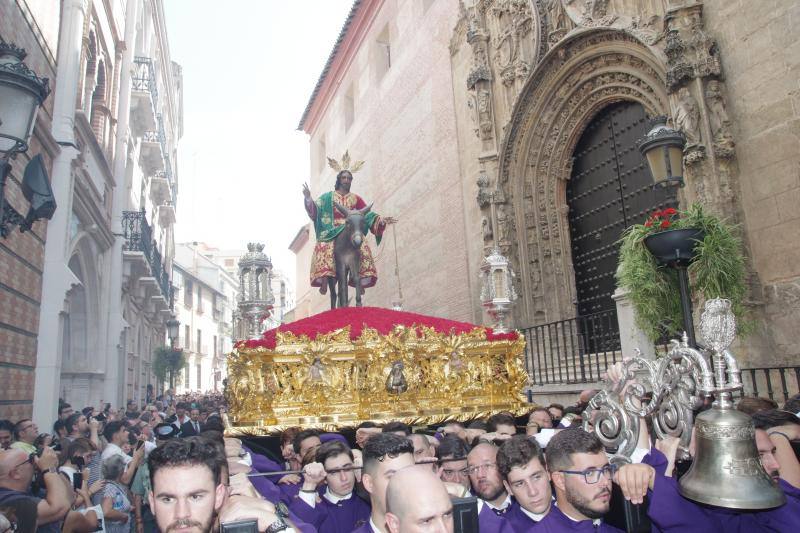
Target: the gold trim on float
pixel 414 374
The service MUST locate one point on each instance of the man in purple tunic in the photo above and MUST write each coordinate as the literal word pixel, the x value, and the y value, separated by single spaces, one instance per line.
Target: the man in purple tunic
pixel 493 500
pixel 384 455
pixel 417 501
pixel 326 499
pixel 521 463
pixel 581 475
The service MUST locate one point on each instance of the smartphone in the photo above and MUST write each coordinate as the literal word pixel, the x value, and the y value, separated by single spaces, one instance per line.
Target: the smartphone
pixel 78 462
pixel 240 526
pixel 139 444
pixel 77 480
pixel 465 515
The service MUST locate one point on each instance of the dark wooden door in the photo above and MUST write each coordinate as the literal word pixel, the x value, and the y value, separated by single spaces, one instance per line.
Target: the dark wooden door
pixel 610 189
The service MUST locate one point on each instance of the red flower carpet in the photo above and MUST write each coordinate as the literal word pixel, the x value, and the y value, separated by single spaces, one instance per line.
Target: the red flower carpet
pixel 358 318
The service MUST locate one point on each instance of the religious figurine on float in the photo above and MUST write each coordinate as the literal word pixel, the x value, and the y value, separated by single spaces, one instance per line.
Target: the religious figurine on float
pixel 341 257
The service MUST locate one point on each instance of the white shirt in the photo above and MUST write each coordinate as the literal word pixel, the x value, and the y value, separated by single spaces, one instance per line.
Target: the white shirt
pixel 533 516
pixel 113 449
pixel 502 506
pixel 311 498
pixel 373 527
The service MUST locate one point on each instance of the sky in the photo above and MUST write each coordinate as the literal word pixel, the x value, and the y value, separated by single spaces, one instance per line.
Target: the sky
pixel 249 67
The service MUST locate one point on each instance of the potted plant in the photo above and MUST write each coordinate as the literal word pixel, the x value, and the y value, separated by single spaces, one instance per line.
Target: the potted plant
pixel 701 242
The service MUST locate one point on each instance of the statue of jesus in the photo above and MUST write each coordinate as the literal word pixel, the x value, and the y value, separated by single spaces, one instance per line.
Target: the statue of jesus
pixel 329 222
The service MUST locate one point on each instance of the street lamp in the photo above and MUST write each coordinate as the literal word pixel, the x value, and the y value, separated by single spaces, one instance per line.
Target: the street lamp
pixel 172 330
pixel 21 94
pixel 663 148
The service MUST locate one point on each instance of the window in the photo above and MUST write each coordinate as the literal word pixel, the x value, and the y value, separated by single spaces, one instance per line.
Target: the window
pixel 188 293
pixel 199 298
pixel 186 376
pixel 215 346
pixel 199 340
pixel 349 108
pixel 229 262
pixel 187 337
pixel 383 53
pixel 199 377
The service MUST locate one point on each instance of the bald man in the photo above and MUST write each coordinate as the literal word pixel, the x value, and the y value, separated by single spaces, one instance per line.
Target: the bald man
pixel 417 501
pixel 16 473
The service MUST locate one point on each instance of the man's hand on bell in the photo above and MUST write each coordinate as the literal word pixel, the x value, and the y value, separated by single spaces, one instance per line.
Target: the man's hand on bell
pixel 389 220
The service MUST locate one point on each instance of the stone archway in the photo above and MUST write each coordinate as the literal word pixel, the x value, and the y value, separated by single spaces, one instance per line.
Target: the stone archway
pixel 575 80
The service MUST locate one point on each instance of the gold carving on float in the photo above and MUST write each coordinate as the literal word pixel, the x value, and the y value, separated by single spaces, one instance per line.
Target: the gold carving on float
pixel 413 374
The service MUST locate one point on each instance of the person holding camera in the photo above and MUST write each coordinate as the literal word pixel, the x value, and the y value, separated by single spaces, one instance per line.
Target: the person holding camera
pixel 17 470
pixel 25 434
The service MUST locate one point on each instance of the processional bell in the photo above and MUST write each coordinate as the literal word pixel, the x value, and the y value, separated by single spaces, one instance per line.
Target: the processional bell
pixel 726 471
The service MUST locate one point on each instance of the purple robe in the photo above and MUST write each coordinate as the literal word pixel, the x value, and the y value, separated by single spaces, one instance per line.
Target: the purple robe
pixel 558 522
pixel 490 522
pixel 517 518
pixel 785 518
pixel 262 463
pixel 366 528
pixel 327 517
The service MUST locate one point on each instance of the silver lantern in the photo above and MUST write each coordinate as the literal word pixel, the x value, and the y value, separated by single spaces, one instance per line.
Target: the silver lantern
pixel 255 290
pixel 497 292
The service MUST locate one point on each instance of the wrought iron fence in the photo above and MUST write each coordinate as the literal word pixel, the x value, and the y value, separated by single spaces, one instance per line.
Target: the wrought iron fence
pixel 139 238
pixel 777 383
pixel 144 78
pixel 577 350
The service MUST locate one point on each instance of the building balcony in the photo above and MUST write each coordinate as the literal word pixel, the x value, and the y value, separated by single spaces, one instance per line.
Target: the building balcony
pixel 144 96
pixel 139 247
pixel 160 190
pixel 151 157
pixel 166 214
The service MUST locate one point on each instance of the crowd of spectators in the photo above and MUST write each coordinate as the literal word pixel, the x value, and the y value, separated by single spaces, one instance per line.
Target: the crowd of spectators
pixel 167 466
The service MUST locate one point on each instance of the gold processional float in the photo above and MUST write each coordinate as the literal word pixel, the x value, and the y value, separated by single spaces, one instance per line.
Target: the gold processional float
pixel 349 365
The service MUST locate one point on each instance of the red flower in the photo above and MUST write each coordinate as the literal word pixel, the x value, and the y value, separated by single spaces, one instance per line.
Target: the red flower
pixel 665 224
pixel 669 211
pixel 649 223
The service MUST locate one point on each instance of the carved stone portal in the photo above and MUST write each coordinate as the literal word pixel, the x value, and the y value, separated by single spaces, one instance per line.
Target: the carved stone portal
pixel 588 72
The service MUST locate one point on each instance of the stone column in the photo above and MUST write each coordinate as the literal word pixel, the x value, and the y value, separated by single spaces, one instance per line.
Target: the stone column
pixel 57 278
pixel 113 386
pixel 631 337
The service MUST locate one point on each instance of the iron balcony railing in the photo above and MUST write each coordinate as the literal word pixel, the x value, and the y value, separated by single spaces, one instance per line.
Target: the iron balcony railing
pixel 777 383
pixel 577 350
pixel 139 238
pixel 144 78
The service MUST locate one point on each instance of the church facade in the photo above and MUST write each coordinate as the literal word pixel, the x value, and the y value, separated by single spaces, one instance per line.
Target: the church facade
pixel 516 123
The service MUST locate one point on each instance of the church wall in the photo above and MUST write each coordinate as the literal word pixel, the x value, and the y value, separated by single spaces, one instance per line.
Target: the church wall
pixel 760 48
pixel 404 127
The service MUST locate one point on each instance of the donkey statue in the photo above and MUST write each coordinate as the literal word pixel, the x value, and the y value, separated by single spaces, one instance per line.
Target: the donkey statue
pixel 347 255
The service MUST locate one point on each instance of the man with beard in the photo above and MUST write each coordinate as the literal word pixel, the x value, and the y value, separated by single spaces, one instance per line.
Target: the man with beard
pixel 581 475
pixel 186 490
pixel 331 507
pixel 485 478
pixel 384 455
pixel 521 463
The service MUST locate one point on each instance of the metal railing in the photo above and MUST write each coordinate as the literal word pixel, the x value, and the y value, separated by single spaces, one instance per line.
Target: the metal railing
pixel 144 79
pixel 777 383
pixel 139 238
pixel 577 350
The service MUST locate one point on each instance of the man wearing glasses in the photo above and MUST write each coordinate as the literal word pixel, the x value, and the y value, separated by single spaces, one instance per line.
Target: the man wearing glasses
pixel 582 479
pixel 25 432
pixel 16 474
